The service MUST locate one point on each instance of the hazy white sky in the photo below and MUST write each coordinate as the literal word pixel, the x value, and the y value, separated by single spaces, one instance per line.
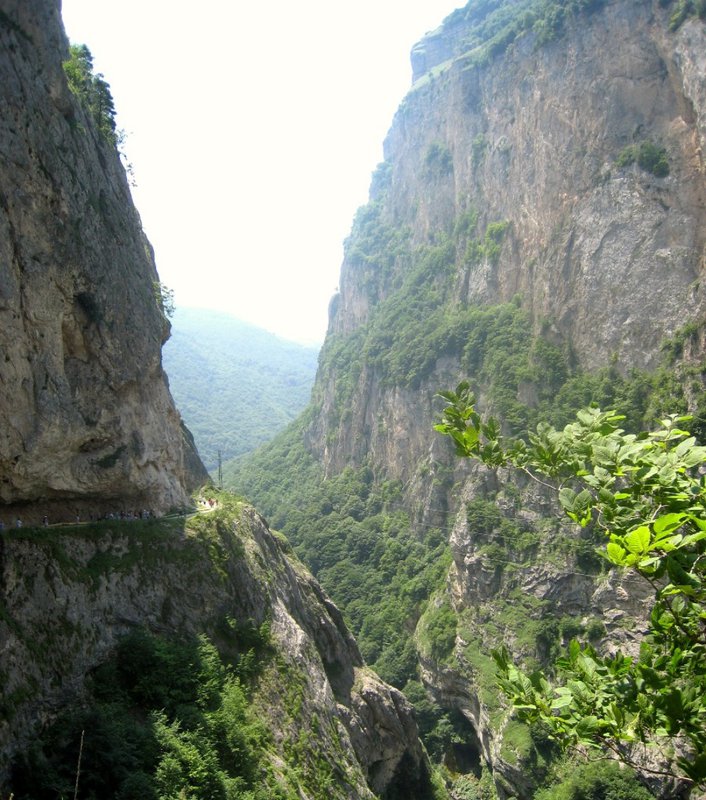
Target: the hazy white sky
pixel 253 128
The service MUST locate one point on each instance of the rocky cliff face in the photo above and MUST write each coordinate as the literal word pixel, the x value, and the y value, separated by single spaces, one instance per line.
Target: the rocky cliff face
pixel 523 173
pixel 607 259
pixel 68 596
pixel 88 422
pixel 89 426
pixel 524 580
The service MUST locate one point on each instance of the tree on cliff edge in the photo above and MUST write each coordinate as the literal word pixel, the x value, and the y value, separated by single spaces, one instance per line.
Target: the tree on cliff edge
pixel 92 90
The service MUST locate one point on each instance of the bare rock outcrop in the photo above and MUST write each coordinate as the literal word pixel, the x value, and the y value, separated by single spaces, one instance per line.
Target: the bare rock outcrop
pixel 87 418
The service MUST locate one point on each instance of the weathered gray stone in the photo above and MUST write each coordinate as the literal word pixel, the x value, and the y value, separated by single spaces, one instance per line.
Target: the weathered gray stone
pixel 88 422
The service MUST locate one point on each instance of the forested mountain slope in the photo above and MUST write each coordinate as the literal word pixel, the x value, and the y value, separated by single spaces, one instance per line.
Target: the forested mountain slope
pixel 235 385
pixel 537 227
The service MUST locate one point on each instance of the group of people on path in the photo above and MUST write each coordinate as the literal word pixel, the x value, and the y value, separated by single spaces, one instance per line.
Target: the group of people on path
pixel 18 523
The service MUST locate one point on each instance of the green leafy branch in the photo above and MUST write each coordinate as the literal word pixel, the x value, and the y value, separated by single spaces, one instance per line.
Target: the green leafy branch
pixel 647 492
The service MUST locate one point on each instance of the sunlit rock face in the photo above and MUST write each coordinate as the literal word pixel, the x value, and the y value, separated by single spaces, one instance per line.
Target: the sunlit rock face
pixel 613 257
pixel 87 420
pixel 608 260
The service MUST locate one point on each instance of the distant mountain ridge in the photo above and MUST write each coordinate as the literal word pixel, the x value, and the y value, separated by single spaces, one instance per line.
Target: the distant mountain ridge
pixel 236 385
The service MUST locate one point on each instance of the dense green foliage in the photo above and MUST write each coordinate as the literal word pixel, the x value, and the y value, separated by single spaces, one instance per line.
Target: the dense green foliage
pixel 416 323
pixel 354 534
pixel 436 631
pixel 646 492
pixel 438 161
pixel 275 472
pixel 164 719
pixel 648 156
pixel 523 376
pixel 234 384
pixel 92 91
pixel 683 9
pixel 596 780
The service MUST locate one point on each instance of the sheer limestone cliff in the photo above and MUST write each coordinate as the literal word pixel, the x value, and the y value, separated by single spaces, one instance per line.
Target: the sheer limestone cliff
pixel 517 180
pixel 88 422
pixel 607 260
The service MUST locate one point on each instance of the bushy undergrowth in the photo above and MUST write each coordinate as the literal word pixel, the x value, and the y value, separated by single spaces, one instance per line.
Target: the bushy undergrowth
pixel 164 719
pixel 91 90
pixel 648 156
pixel 597 780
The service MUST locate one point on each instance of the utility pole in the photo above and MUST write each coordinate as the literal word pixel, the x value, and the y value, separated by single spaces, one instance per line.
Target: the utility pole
pixel 220 471
pixel 78 766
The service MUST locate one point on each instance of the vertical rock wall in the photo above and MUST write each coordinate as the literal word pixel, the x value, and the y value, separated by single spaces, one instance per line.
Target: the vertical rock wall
pixel 606 258
pixel 86 419
pixel 609 260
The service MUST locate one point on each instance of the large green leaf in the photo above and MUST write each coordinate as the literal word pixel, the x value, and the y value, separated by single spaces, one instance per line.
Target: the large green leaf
pixel 638 541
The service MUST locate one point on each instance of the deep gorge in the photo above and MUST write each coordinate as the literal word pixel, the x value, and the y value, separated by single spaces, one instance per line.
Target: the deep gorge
pixel 538 228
